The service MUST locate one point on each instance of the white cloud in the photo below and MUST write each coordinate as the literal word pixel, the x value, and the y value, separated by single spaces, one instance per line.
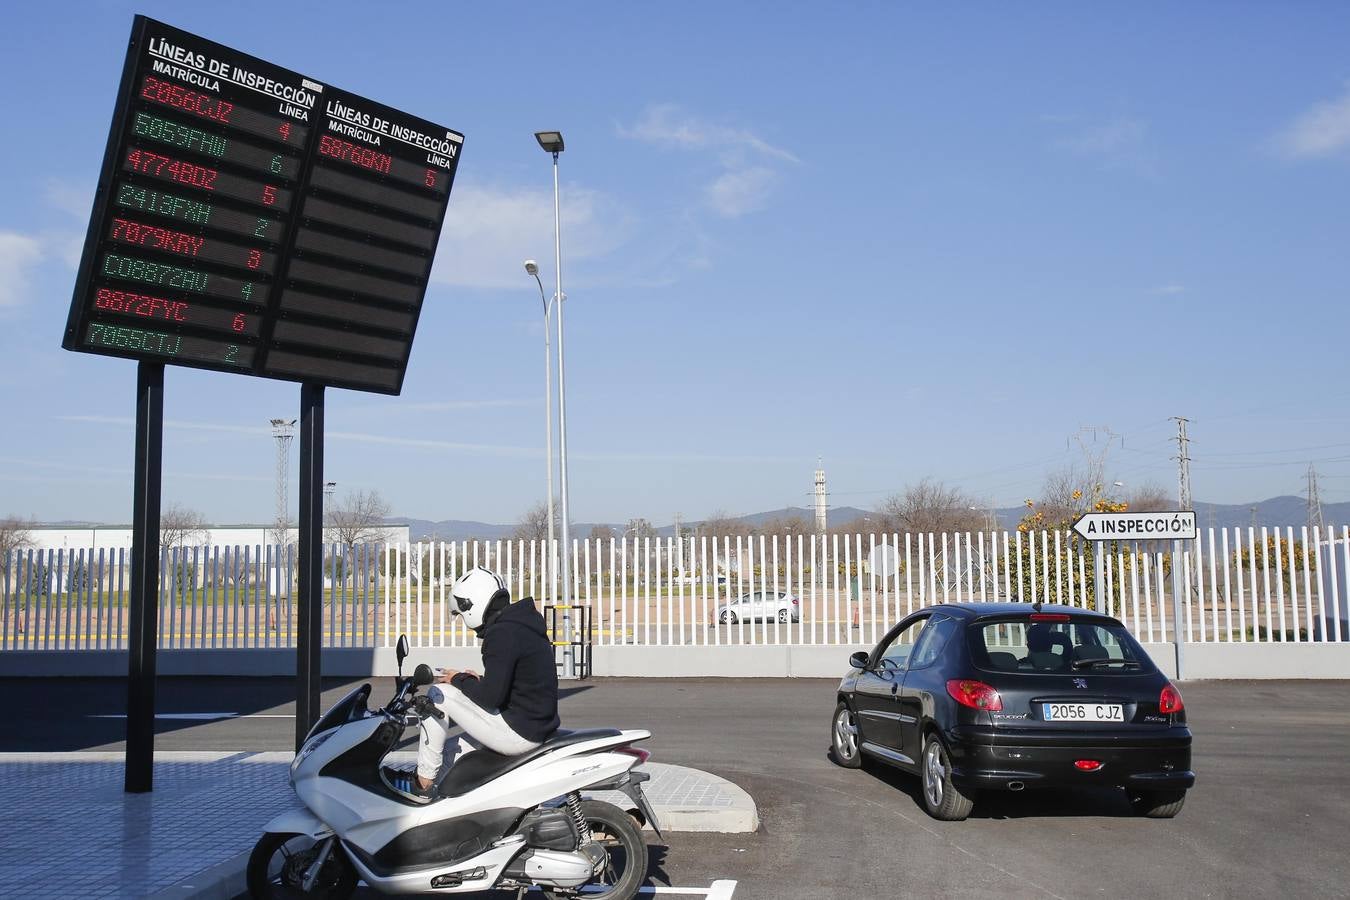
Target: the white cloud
pixel 19 253
pixel 740 191
pixel 74 200
pixel 490 231
pixel 1119 143
pixel 1322 130
pixel 1169 289
pixel 747 179
pixel 665 123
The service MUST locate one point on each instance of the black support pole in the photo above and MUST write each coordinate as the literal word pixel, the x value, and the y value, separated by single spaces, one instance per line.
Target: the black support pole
pixel 140 753
pixel 309 642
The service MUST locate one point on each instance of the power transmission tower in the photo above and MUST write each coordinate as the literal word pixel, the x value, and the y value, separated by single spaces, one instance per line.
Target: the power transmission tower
pixel 1315 522
pixel 283 430
pixel 1183 459
pixel 821 498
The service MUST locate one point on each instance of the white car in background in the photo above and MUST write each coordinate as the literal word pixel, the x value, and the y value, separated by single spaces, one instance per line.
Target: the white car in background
pixel 760 605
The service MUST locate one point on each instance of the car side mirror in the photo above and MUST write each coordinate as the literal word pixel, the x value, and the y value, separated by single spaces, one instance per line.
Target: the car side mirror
pixel 858 660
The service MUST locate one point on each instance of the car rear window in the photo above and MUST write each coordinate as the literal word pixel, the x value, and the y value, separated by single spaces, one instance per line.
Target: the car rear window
pixel 1047 646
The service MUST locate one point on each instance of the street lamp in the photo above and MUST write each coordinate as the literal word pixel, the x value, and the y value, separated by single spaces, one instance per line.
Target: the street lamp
pixel 552 143
pixel 532 268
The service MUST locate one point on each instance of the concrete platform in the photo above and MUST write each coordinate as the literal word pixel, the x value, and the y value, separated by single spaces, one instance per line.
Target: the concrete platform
pixel 71 831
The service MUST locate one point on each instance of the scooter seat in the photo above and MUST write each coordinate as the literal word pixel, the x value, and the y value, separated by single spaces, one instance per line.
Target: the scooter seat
pixel 476 769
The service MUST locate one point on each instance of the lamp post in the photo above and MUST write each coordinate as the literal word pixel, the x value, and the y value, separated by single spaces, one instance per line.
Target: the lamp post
pixel 532 268
pixel 552 143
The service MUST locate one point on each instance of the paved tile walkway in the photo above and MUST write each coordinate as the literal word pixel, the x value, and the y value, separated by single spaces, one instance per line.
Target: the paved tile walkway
pixel 70 831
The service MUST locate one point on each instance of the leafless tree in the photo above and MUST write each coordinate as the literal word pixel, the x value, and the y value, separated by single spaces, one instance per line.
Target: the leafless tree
pixel 180 527
pixel 15 534
pixel 533 525
pixel 637 529
pixel 1151 498
pixel 601 533
pixel 930 506
pixel 787 526
pixel 358 518
pixel 722 524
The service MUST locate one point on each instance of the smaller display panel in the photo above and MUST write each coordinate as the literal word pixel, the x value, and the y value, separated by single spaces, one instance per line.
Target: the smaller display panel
pixel 251 219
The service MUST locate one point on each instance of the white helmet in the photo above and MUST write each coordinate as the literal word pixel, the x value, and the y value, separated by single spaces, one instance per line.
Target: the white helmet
pixel 478 592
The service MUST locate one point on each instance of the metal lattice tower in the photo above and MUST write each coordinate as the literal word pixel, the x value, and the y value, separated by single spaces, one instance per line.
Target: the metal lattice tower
pixel 284 431
pixel 1315 522
pixel 822 498
pixel 1183 459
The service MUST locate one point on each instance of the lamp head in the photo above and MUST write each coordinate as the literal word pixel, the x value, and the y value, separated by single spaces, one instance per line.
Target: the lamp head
pixel 552 141
pixel 531 267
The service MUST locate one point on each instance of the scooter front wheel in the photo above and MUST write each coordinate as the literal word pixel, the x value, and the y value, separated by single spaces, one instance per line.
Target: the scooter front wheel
pixel 625 866
pixel 278 863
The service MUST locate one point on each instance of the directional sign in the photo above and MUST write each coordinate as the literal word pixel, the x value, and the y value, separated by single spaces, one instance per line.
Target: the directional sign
pixel 254 220
pixel 1178 525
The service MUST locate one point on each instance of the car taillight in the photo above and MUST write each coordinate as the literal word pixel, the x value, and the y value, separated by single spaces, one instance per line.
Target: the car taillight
pixel 1087 765
pixel 1169 701
pixel 794 601
pixel 975 694
pixel 642 755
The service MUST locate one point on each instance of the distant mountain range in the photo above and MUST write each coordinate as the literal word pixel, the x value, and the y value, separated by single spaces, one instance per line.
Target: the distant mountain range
pixel 1276 511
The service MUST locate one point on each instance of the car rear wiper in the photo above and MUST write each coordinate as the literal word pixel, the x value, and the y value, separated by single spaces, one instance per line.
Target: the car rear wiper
pixel 1094 663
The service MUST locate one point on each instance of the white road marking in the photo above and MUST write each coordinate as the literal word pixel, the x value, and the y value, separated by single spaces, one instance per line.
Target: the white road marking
pixel 718 890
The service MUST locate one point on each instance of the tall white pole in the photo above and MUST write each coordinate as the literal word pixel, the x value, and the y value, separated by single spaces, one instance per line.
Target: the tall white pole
pixel 566 593
pixel 550 563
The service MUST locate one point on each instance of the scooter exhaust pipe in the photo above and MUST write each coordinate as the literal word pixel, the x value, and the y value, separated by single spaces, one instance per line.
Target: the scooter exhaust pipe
pixel 1016 785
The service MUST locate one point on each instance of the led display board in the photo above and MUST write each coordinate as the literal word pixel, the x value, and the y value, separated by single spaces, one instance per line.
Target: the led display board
pixel 250 219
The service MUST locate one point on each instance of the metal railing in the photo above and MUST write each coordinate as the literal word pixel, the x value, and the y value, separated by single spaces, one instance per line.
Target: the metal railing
pixel 1232 585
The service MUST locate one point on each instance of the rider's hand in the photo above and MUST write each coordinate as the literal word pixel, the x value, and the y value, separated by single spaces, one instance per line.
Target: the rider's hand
pixel 471 673
pixel 443 676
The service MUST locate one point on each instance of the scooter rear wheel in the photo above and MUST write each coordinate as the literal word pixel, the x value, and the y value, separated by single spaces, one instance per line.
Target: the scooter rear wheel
pixel 278 863
pixel 625 865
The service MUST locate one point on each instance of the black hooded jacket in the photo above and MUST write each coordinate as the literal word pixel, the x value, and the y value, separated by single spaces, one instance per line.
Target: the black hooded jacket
pixel 520 678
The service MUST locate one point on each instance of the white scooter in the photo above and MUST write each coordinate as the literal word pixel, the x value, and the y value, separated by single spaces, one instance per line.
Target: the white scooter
pixel 495 822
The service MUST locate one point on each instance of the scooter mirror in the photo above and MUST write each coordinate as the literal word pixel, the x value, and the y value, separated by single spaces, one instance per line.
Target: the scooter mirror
pixel 422 675
pixel 402 651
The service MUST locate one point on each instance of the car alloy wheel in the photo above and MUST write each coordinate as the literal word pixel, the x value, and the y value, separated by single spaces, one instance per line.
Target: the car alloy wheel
pixel 844 736
pixel 782 615
pixel 934 773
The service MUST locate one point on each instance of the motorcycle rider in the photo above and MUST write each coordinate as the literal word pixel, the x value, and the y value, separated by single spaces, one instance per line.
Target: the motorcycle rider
pixel 512 708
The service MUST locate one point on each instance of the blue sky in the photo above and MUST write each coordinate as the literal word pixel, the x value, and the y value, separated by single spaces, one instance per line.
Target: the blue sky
pixel 912 239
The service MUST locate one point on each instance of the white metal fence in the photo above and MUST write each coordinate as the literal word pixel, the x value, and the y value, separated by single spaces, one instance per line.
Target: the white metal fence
pixel 1232 585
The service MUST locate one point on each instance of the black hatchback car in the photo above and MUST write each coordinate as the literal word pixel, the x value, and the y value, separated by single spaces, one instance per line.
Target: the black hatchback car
pixel 1011 696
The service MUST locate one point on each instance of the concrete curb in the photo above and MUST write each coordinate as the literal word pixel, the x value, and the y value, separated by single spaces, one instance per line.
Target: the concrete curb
pixel 223 881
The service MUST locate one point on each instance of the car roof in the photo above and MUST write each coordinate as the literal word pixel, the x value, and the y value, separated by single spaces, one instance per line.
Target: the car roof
pixel 971 611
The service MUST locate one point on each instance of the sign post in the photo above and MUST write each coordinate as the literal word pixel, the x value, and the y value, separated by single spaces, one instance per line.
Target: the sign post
pixel 1174 525
pixel 252 220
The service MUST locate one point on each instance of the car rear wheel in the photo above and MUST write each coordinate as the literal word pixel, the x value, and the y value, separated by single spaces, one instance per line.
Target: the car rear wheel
pixel 1158 804
pixel 943 799
pixel 844 737
pixel 782 615
pixel 728 617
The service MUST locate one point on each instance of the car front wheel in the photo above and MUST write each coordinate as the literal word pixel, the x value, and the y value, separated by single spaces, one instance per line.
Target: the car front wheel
pixel 943 799
pixel 782 615
pixel 844 737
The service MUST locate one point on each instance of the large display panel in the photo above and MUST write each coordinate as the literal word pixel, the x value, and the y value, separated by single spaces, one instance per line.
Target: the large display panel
pixel 251 219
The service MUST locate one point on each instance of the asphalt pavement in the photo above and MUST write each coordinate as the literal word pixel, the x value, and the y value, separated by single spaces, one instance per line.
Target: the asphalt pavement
pixel 1268 816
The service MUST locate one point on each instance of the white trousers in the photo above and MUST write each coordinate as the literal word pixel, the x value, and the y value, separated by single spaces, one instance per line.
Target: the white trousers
pixel 482 729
